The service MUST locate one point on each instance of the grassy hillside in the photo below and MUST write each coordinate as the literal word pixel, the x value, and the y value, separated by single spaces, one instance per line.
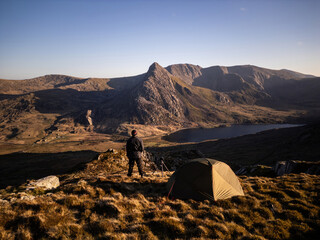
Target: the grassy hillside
pixel 204 106
pixel 101 202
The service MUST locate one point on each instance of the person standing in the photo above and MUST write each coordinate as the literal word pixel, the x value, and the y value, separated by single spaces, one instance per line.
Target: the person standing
pixel 134 149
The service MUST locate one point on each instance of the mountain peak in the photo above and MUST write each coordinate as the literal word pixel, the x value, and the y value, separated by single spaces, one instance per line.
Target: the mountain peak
pixel 157 71
pixel 155 66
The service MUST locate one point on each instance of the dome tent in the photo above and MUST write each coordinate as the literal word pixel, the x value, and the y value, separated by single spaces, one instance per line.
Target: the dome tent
pixel 204 178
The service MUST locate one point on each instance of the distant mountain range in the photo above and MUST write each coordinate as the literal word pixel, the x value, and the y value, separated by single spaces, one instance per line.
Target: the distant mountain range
pixel 181 95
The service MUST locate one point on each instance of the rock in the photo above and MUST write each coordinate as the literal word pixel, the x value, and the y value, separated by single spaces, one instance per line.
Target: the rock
pixel 281 168
pixel 89 118
pixel 49 182
pixel 111 150
pixel 294 166
pixel 256 170
pixel 27 197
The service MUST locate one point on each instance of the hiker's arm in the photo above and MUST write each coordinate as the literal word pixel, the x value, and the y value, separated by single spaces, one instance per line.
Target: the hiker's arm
pixel 127 148
pixel 142 147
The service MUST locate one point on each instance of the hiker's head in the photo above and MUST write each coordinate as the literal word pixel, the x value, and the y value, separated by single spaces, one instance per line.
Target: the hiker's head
pixel 134 132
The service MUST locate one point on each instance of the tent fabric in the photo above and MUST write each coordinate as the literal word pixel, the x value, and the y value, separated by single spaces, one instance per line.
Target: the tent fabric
pixel 204 178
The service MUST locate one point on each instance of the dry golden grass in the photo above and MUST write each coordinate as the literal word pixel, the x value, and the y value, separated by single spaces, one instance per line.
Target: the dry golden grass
pixel 101 202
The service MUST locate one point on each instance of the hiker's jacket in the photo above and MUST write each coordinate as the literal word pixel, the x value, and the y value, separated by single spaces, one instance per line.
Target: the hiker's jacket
pixel 134 147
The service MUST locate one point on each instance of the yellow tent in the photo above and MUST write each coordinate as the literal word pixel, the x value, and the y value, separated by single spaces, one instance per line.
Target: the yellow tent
pixel 204 178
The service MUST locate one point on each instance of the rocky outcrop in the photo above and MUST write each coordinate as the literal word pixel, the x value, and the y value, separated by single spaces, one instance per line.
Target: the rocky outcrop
pixel 49 182
pixel 157 100
pixel 286 167
pixel 88 117
pixel 256 170
pixel 281 168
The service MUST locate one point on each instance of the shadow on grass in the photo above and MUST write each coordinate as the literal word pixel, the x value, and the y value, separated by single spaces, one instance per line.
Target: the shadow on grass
pixel 147 188
pixel 17 168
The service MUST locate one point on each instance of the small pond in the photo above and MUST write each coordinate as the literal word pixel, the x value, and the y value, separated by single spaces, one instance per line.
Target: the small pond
pixel 202 134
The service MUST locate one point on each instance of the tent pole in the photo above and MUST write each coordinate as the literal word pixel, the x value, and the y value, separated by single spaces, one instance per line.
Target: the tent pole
pixel 162 167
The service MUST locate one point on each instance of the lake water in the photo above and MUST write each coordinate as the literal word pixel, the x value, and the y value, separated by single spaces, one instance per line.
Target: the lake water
pixel 202 134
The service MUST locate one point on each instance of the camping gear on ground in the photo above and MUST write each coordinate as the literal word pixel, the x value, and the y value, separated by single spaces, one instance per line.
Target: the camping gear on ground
pixel 162 164
pixel 204 178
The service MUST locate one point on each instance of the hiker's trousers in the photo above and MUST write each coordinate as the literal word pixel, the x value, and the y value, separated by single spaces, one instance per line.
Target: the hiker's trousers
pixel 131 164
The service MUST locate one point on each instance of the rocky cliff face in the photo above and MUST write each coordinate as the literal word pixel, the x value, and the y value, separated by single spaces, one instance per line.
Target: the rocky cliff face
pixel 156 99
pixel 152 100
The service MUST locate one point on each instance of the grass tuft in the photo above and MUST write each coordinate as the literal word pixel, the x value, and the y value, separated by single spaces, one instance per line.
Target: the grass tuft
pixel 107 209
pixel 166 227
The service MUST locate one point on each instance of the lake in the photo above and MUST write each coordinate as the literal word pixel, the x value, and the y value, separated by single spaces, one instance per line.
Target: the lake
pixel 202 134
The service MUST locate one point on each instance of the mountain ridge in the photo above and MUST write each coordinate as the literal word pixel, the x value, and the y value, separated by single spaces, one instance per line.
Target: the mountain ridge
pixel 178 70
pixel 180 95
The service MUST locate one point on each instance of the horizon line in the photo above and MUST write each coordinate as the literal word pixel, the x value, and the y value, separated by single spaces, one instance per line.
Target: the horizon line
pixel 90 77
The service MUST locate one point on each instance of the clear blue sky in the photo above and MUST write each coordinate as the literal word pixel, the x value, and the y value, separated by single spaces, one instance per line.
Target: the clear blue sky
pixel 101 38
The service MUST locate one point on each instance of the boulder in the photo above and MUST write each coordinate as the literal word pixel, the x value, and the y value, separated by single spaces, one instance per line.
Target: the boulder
pixel 100 157
pixel 89 117
pixel 111 150
pixel 27 197
pixel 49 182
pixel 282 167
pixel 294 166
pixel 256 170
